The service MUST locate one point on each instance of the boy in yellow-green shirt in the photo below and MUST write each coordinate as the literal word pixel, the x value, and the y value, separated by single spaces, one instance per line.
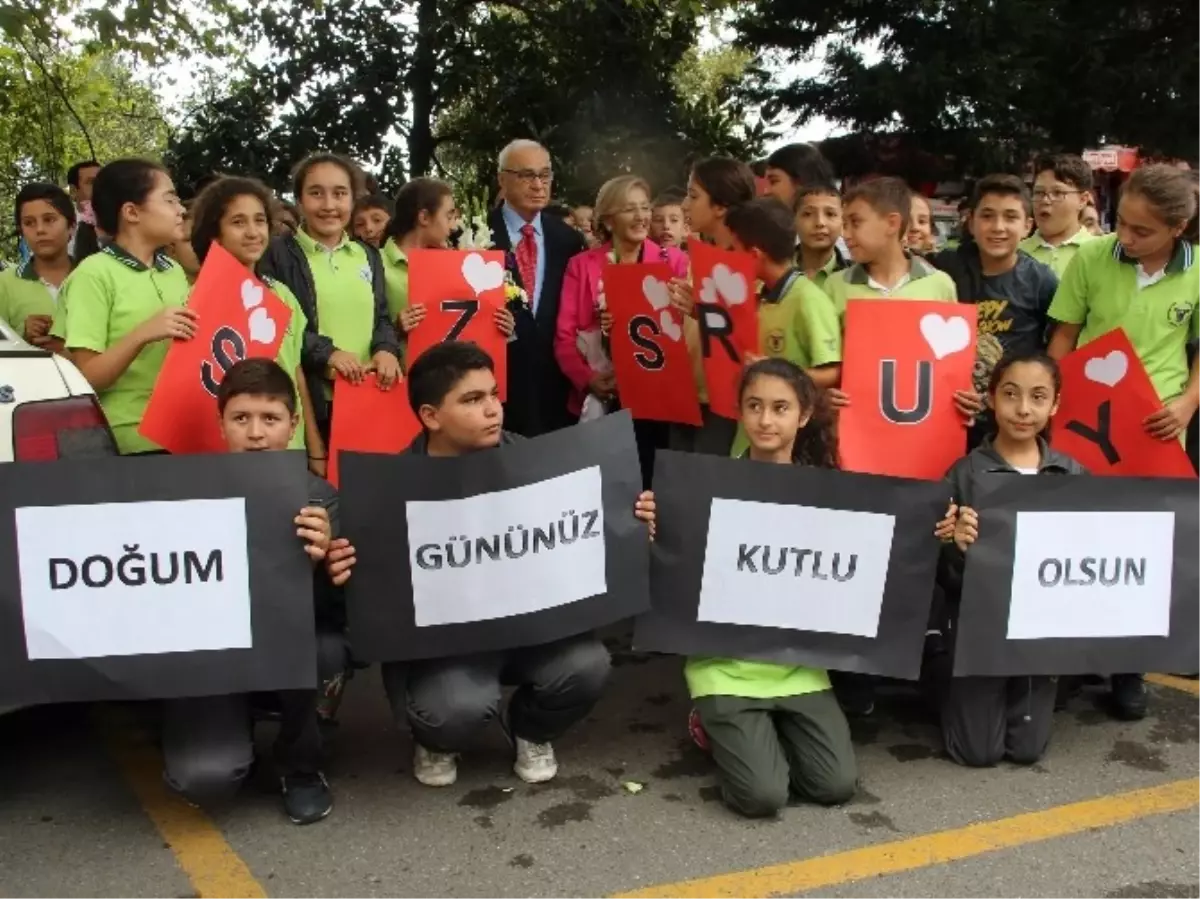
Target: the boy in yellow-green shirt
pixel 45 217
pixel 796 320
pixel 819 226
pixel 1062 187
pixel 876 222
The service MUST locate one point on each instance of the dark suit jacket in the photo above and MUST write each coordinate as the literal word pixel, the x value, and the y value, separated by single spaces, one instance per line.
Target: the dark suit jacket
pixel 537 388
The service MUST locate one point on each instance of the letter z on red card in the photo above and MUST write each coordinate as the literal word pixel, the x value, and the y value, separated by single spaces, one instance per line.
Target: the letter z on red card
pixel 461 291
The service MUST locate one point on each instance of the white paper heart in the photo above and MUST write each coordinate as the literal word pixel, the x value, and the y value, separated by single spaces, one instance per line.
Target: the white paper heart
pixel 262 326
pixel 656 292
pixel 708 292
pixel 731 284
pixel 670 327
pixel 480 274
pixel 1107 370
pixel 945 336
pixel 252 294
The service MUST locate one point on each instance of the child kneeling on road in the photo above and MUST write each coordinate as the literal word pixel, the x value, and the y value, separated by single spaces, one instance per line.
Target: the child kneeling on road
pixel 207 741
pixel 776 729
pixel 986 719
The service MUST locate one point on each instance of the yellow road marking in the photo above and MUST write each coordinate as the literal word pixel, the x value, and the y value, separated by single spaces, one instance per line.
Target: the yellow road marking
pixel 1183 684
pixel 209 862
pixel 938 848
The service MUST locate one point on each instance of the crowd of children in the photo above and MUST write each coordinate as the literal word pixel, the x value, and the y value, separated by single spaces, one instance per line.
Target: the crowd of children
pixel 338 259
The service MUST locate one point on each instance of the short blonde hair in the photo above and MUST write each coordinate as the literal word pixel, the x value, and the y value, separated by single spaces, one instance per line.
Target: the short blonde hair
pixel 611 198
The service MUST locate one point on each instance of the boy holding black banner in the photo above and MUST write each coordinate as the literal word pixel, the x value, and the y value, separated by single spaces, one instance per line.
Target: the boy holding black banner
pixel 207 741
pixel 449 701
pixel 986 719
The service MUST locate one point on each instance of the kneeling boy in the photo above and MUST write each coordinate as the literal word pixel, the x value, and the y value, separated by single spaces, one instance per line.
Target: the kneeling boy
pixel 207 741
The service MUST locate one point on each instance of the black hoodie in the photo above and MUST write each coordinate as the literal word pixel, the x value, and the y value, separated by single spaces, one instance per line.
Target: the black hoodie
pixel 962 478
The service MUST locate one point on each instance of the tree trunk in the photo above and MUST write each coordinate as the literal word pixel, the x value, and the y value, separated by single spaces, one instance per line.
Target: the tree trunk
pixel 420 80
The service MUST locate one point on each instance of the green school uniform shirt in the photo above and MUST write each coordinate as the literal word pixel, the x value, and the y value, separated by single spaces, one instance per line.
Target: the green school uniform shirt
pixel 345 296
pixel 23 293
pixel 108 295
pixel 395 278
pixel 1100 291
pixel 707 676
pixel 796 322
pixel 1058 258
pixel 821 275
pixel 290 348
pixel 924 282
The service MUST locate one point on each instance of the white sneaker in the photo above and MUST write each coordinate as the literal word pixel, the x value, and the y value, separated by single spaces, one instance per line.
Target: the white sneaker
pixel 435 769
pixel 535 762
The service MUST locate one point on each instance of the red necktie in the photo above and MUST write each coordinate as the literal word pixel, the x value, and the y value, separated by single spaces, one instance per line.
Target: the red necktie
pixel 527 261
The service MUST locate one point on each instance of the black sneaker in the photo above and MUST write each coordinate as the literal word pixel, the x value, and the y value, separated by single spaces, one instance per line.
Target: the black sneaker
pixel 1128 697
pixel 306 797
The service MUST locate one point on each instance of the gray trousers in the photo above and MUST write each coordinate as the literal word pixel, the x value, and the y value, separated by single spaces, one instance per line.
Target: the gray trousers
pixel 986 719
pixel 450 701
pixel 768 748
pixel 208 741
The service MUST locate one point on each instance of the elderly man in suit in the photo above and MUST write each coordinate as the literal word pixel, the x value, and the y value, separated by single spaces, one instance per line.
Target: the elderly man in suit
pixel 538 248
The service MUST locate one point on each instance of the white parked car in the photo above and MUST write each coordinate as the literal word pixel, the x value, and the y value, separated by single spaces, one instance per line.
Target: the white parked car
pixel 47 408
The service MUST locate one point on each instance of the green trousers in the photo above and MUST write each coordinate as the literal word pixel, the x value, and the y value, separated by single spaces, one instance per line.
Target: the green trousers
pixel 768 748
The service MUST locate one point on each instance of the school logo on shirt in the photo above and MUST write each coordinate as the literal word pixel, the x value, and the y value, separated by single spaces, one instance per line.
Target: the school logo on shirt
pixel 776 341
pixel 1179 313
pixel 365 273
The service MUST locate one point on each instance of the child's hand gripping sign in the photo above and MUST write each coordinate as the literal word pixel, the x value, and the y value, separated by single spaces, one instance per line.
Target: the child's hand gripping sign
pixel 238 318
pixel 1106 398
pixel 462 291
pixel 904 361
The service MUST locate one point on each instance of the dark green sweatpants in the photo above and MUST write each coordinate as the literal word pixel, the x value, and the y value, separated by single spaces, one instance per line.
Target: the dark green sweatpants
pixel 766 748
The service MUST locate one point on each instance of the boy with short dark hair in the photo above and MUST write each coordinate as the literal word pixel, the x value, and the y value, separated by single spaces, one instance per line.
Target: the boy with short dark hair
pixel 796 320
pixel 875 217
pixel 452 389
pixel 370 219
pixel 1012 289
pixel 207 742
pixel 1062 187
pixel 819 222
pixel 668 224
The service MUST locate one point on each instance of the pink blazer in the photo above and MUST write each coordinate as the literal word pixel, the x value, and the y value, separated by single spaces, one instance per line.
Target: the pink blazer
pixel 578 310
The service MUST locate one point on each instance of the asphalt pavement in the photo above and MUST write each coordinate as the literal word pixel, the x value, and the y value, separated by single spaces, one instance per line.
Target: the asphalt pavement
pixel 1111 811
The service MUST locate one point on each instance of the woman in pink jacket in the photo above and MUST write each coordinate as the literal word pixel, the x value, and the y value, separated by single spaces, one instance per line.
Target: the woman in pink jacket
pixel 622 222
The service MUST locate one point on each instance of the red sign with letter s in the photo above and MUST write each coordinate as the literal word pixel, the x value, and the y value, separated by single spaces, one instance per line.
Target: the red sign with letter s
pixel 649 352
pixel 238 318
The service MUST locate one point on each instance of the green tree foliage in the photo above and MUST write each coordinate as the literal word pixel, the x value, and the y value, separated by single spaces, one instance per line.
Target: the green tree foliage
pixel 989 81
pixel 57 108
pixel 441 85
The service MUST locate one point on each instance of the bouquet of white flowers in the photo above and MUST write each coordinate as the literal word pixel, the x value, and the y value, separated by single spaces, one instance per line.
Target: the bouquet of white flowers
pixel 476 235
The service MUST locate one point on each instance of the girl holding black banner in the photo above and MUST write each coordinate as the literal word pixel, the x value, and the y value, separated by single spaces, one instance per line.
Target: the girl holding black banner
pixel 986 719
pixel 775 729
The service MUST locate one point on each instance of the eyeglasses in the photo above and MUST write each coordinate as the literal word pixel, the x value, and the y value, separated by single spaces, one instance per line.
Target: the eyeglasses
pixel 1054 196
pixel 529 176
